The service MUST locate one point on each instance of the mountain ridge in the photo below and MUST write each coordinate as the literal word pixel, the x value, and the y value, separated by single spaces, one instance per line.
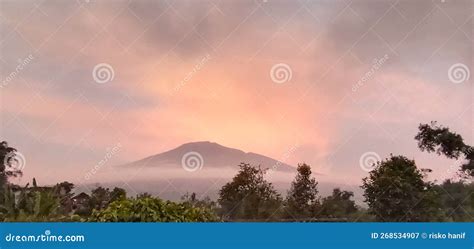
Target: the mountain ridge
pixel 209 155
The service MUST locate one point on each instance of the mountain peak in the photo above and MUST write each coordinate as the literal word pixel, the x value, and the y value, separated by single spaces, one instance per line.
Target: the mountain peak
pixel 200 143
pixel 213 155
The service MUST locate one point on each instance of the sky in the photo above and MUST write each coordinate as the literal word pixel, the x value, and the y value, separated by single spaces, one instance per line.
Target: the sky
pixel 332 83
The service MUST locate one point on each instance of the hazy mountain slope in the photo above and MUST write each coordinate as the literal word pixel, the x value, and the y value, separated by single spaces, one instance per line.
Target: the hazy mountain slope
pixel 213 156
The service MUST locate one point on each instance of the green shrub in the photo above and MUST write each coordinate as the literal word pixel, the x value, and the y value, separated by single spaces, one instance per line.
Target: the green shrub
pixel 151 209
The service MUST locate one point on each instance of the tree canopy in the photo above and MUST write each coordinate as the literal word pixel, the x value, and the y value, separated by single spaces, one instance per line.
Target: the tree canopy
pixel 302 201
pixel 435 138
pixel 249 195
pixel 396 191
pixel 7 163
pixel 338 205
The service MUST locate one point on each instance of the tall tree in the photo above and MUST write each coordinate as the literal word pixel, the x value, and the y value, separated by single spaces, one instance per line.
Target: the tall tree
pixel 396 191
pixel 435 138
pixel 249 195
pixel 7 168
pixel 301 201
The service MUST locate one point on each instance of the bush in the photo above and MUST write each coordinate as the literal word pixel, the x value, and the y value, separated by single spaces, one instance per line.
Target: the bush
pixel 151 209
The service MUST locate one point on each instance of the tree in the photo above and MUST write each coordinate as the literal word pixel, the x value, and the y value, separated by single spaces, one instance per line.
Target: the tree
pixel 457 199
pixel 249 195
pixel 193 201
pixel 439 139
pixel 117 194
pixel 144 195
pixel 100 198
pixel 338 205
pixel 7 164
pixel 63 187
pixel 395 191
pixel 64 193
pixel 301 201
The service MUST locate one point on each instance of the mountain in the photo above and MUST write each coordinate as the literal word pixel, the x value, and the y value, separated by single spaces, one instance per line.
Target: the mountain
pixel 163 175
pixel 208 155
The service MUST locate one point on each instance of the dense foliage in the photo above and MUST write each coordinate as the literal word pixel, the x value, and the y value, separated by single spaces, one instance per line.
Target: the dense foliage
pixel 338 205
pixel 395 191
pixel 249 195
pixel 7 169
pixel 36 204
pixel 439 139
pixel 457 199
pixel 302 199
pixel 151 209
